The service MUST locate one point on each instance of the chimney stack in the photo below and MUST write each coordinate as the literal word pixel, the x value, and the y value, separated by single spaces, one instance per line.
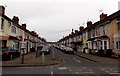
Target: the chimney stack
pixel 89 23
pixel 103 16
pixel 2 10
pixel 23 26
pixel 81 28
pixel 76 31
pixel 15 20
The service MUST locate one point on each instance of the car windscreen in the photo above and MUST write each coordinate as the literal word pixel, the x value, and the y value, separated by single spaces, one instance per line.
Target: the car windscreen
pixel 6 49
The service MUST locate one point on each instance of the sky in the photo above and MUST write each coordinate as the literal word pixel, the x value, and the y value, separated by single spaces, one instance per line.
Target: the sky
pixel 53 19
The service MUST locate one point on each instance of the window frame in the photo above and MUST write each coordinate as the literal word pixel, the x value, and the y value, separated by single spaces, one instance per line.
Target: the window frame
pixel 118 45
pixel 13 29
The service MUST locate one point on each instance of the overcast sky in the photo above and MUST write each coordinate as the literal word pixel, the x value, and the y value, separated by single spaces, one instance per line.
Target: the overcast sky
pixel 53 19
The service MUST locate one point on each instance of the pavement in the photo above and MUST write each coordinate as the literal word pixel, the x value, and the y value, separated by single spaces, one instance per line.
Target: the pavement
pixel 31 60
pixel 100 59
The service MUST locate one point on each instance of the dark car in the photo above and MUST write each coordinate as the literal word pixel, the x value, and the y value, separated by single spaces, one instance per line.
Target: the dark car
pixel 45 50
pixel 110 53
pixel 9 53
pixel 69 50
pixel 100 52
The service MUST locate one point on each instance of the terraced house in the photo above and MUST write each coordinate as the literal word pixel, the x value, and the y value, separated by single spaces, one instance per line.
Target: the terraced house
pixel 104 34
pixel 17 36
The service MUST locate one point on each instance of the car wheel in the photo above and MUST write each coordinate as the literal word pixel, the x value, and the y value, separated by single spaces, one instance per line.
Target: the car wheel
pixel 11 57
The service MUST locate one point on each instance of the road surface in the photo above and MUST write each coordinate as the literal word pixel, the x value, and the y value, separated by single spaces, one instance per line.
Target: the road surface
pixel 72 65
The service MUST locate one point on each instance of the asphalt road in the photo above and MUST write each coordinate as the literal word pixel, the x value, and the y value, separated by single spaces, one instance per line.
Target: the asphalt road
pixel 72 65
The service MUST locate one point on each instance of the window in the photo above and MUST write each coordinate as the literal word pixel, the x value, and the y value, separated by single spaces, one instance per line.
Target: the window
pixel 2 24
pixel 104 30
pixel 118 45
pixel 92 45
pixel 101 44
pixel 89 45
pixel 96 32
pixel 105 45
pixel 13 29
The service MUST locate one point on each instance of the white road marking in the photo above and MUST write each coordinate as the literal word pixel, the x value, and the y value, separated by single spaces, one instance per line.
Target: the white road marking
pixel 69 69
pixel 110 69
pixel 77 60
pixel 51 67
pixel 107 71
pixel 90 70
pixel 51 71
pixel 62 68
pixel 76 72
pixel 87 73
pixel 85 67
pixel 114 73
pixel 25 67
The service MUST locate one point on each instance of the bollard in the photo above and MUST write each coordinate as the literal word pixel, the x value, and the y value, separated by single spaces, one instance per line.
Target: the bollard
pixel 22 59
pixel 43 58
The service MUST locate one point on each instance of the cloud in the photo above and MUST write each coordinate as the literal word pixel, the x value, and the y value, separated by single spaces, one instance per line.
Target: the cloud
pixel 50 17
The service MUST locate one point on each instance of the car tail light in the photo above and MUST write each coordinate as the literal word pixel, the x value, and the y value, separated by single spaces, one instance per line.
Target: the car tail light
pixel 6 52
pixel 113 55
pixel 0 53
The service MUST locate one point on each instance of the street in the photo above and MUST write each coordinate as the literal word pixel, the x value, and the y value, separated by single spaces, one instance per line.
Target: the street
pixel 72 64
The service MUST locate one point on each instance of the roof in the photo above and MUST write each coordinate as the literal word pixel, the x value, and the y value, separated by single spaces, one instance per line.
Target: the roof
pixel 115 15
pixel 4 16
pixel 17 25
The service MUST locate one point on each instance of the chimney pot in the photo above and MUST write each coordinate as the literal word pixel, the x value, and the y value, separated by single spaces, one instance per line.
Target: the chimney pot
pixel 89 23
pixel 15 20
pixel 24 26
pixel 81 28
pixel 76 31
pixel 103 16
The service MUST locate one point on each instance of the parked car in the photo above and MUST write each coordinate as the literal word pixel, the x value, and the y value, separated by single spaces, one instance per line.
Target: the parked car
pixel 0 54
pixel 45 50
pixel 100 52
pixel 110 53
pixel 63 48
pixel 68 50
pixel 9 53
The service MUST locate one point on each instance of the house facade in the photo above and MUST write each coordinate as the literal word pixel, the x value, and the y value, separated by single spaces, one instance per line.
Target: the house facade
pixel 17 36
pixel 104 34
